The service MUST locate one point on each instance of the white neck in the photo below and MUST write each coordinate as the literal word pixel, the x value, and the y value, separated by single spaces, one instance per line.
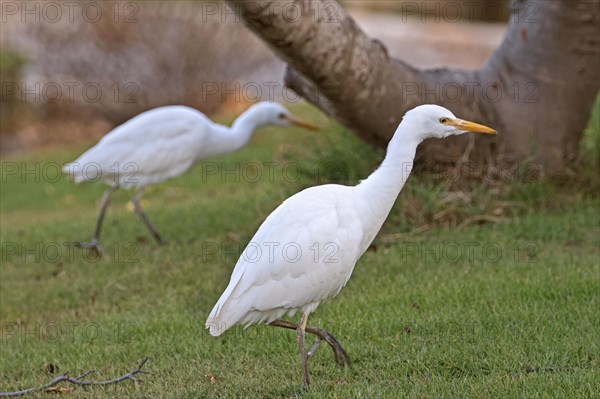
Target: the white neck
pixel 228 139
pixel 382 187
pixel 245 125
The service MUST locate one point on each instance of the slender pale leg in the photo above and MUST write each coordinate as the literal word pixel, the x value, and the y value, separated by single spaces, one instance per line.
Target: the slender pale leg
pixel 303 359
pixel 138 210
pixel 94 244
pixel 314 348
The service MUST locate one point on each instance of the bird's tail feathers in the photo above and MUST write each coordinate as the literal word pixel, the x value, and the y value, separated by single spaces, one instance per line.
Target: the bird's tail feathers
pixel 227 313
pixel 79 172
pixel 217 324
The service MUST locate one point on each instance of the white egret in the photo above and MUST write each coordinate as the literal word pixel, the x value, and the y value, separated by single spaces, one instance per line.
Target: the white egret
pixel 305 251
pixel 163 143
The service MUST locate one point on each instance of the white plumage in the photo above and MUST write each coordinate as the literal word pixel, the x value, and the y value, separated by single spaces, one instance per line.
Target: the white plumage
pixel 295 260
pixel 323 222
pixel 151 147
pixel 164 143
pixel 266 284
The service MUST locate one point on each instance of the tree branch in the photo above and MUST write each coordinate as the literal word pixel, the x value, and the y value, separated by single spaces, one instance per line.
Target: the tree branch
pixel 537 89
pixel 79 380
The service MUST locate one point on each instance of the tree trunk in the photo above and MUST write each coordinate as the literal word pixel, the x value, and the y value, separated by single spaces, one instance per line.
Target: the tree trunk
pixel 537 89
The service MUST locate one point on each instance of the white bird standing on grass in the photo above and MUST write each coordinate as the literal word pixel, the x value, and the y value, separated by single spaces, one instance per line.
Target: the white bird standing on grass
pixel 163 143
pixel 305 251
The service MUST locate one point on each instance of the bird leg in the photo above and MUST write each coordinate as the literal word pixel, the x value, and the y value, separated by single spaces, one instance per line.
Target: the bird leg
pixel 340 355
pixel 314 348
pixel 303 359
pixel 138 210
pixel 94 244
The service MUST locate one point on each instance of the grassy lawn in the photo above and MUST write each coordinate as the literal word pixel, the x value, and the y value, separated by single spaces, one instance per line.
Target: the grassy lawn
pixel 437 309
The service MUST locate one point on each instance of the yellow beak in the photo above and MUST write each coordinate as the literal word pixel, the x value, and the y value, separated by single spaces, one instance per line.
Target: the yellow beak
pixel 301 123
pixel 471 126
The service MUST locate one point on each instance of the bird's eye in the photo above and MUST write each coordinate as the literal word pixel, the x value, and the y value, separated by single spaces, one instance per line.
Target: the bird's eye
pixel 444 120
pixel 281 116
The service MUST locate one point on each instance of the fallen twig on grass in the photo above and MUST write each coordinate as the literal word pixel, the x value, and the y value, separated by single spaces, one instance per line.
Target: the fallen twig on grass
pixel 79 381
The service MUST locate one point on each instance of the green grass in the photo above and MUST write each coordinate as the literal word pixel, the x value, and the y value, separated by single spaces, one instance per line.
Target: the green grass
pixel 508 309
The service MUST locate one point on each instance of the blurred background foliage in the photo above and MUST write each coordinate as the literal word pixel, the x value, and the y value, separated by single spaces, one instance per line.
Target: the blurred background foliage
pixel 78 79
pixel 142 55
pixel 11 69
pixel 145 54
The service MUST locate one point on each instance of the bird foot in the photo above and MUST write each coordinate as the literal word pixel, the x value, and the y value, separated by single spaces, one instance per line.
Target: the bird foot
pixel 92 246
pixel 340 355
pixel 304 386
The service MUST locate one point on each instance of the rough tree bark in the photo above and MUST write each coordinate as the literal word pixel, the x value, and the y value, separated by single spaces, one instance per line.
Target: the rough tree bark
pixel 537 89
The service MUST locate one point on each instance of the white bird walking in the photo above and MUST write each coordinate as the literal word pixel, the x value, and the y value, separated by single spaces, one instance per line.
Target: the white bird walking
pixel 163 143
pixel 305 251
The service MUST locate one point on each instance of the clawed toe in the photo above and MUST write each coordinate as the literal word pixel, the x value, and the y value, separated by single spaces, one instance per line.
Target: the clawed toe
pixel 93 245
